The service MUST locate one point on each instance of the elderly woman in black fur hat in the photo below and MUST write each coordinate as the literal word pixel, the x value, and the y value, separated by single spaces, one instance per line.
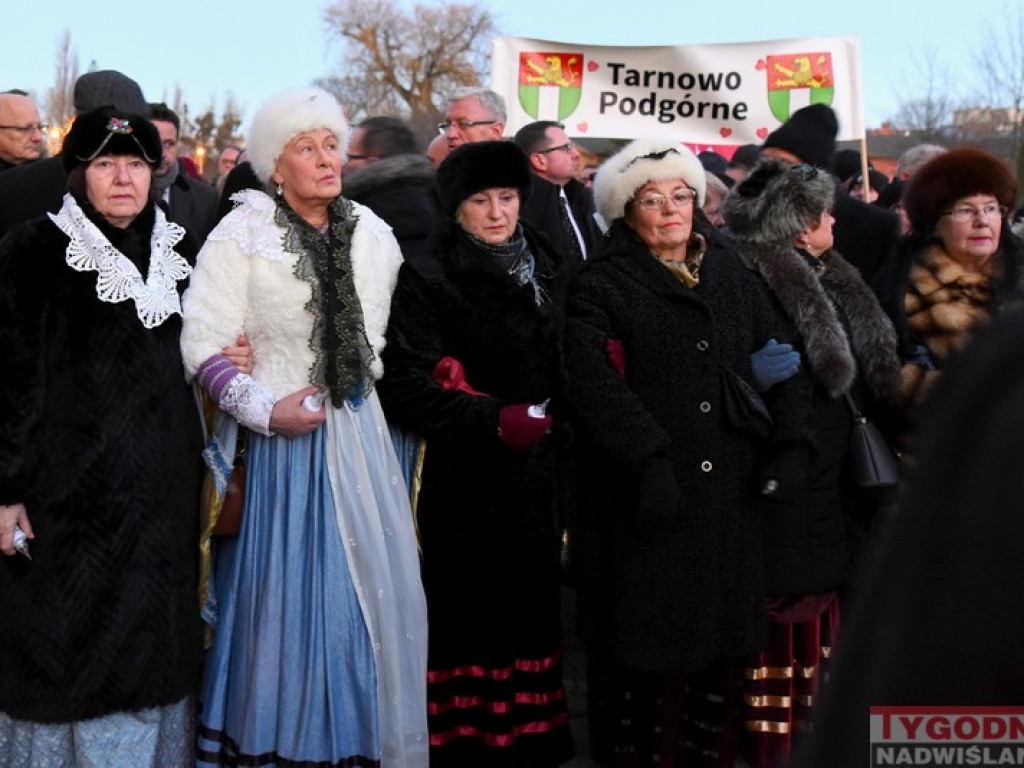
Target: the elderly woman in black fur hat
pixel 782 225
pixel 100 641
pixel 957 267
pixel 659 334
pixel 471 363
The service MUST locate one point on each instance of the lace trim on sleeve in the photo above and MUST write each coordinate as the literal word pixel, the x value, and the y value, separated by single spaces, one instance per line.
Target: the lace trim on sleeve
pixel 249 403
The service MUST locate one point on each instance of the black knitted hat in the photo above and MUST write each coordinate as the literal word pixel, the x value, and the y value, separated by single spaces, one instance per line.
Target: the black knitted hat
pixel 108 88
pixel 810 134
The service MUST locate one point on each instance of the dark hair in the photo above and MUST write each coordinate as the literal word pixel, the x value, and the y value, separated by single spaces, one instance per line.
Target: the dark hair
pixel 388 136
pixel 160 111
pixel 14 92
pixel 533 136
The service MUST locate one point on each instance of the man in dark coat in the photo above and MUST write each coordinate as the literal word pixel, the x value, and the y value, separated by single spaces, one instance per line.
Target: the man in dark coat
pixel 189 202
pixel 560 206
pixel 865 235
pixel 388 174
pixel 32 189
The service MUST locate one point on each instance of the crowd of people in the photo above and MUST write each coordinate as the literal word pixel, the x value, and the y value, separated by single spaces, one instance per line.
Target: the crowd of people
pixel 297 466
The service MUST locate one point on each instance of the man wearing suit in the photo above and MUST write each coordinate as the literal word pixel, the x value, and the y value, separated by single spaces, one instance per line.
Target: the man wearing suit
pixel 560 206
pixel 189 202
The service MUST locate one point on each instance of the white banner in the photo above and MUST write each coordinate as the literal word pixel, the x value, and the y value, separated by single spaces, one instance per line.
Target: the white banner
pixel 735 94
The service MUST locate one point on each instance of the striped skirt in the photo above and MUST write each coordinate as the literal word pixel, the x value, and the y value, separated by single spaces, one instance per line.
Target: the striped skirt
pixel 495 696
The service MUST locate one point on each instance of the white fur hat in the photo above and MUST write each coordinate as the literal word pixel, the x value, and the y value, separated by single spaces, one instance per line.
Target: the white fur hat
pixel 641 161
pixel 286 115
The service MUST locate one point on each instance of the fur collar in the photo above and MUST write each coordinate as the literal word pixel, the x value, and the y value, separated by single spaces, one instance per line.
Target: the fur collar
pixel 386 172
pixel 945 302
pixel 809 296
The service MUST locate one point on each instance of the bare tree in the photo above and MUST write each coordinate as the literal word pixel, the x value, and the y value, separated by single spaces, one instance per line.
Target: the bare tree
pixel 230 119
pixel 1000 66
pixel 404 63
pixel 60 97
pixel 931 114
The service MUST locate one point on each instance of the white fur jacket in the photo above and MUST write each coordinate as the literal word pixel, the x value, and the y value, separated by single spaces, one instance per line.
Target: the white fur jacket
pixel 244 282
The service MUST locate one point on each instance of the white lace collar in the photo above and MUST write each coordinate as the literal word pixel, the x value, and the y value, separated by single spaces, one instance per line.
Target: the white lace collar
pixel 118 279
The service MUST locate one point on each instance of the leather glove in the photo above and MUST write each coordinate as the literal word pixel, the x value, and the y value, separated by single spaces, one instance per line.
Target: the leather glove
pixel 658 499
pixel 784 475
pixel 518 429
pixel 773 363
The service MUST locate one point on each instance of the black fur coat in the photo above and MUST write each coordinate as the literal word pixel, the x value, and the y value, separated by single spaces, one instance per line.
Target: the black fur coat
pixel 459 303
pixel 695 593
pixel 100 440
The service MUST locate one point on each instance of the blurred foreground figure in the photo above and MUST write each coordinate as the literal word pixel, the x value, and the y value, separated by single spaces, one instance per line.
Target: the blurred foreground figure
pixel 938 620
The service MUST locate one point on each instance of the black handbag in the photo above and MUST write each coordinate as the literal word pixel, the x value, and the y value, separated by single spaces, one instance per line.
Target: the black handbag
pixel 871 462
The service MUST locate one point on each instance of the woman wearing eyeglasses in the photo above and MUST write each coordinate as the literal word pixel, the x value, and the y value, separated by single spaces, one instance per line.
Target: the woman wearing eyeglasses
pixel 957 268
pixel 659 333
pixel 781 221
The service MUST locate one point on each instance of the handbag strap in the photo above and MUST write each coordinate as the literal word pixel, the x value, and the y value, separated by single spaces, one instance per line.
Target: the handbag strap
pixel 857 415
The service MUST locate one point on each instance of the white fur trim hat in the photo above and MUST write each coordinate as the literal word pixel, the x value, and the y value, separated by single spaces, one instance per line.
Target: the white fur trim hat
pixel 641 161
pixel 286 115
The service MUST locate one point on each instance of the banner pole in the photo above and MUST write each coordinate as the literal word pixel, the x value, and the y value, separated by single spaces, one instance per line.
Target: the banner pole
pixel 864 165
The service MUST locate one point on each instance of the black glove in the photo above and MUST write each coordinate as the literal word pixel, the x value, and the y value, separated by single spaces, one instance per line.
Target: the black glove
pixel 658 498
pixel 784 475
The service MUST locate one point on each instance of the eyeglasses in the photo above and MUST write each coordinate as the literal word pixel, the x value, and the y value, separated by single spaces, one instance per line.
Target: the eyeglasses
pixel 462 125
pixel 41 127
pixel 803 171
pixel 964 213
pixel 654 201
pixel 567 148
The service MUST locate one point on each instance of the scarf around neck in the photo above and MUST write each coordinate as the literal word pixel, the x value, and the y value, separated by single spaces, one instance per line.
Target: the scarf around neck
pixel 514 257
pixel 341 350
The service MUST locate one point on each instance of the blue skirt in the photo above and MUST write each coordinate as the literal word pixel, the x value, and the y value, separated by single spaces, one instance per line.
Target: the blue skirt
pixel 291 675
